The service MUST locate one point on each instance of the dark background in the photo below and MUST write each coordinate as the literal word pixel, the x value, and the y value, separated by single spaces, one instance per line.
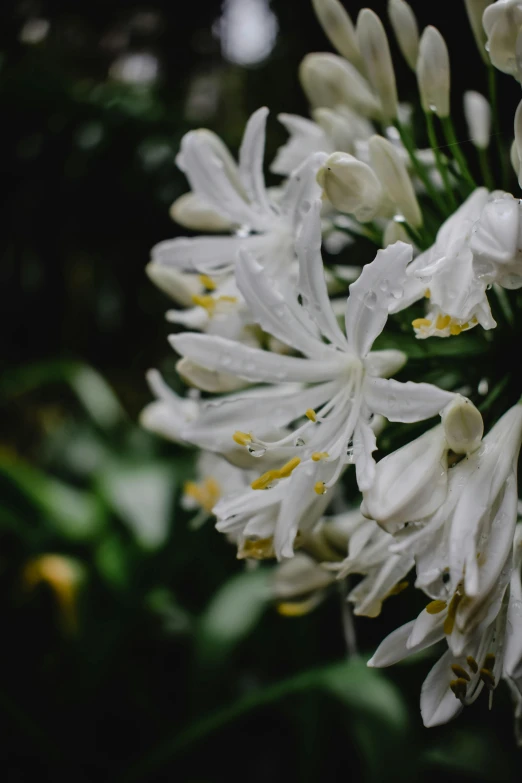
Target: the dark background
pixel 87 177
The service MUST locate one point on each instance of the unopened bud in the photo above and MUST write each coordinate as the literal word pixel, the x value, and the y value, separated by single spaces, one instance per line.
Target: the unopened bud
pixel 406 30
pixel 502 23
pixel 475 9
pixel 181 287
pixel 351 186
pixel 463 425
pixel 330 81
pixel 433 73
pixel 191 212
pixel 374 47
pixel 339 29
pixel 478 117
pixel 394 178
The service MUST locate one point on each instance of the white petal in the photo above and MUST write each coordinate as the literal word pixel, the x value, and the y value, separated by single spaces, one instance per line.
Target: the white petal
pixel 306 137
pixel 405 402
pixel 385 363
pixel 438 702
pixel 273 311
pixel 301 189
pixel 393 648
pixel 312 283
pixel 194 318
pixel 427 629
pixel 192 212
pixel 251 156
pixel 207 254
pixel 371 294
pixel 208 380
pixel 252 364
pixel 178 285
pixel 364 443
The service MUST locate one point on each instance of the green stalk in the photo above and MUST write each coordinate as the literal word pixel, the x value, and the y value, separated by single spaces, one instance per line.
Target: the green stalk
pixel 420 170
pixel 441 165
pixel 485 169
pixel 492 83
pixel 451 138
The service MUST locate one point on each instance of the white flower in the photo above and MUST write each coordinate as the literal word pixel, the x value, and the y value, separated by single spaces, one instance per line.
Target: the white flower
pixel 450 276
pixel 369 554
pixel 238 193
pixel 330 81
pixel 339 28
pixel 299 585
pixel 478 117
pixel 406 30
pixel 502 22
pixel 433 73
pixel 395 180
pixel 411 483
pixel 475 9
pixel 374 47
pixel 215 476
pixel 346 380
pixel 496 242
pixel 169 413
pixel 353 187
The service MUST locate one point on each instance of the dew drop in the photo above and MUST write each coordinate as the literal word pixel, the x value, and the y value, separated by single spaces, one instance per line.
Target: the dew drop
pixel 370 300
pixel 299 442
pixel 433 108
pixel 256 450
pixel 384 285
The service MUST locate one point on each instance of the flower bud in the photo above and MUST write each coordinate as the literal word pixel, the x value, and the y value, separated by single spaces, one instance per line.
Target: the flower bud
pixel 475 9
pixel 351 186
pixel 191 212
pixel 395 179
pixel 478 116
pixel 395 232
pixel 518 143
pixel 339 29
pixel 181 287
pixel 433 73
pixel 373 43
pixel 502 22
pixel 330 81
pixel 463 425
pixel 406 30
pixel 410 483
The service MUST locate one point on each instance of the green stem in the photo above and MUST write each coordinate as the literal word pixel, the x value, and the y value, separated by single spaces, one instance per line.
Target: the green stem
pixel 485 169
pixel 441 165
pixel 451 139
pixel 420 170
pixel 492 83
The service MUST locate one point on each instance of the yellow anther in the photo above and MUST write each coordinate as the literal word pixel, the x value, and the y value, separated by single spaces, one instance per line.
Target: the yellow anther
pixel 489 662
pixel 232 299
pixel 460 672
pixel 264 481
pixel 427 293
pixel 435 607
pixel 207 281
pixel 257 549
pixel 287 469
pixel 449 622
pixel 204 300
pixel 320 487
pixel 488 678
pixel 442 321
pixel 459 687
pixel 319 455
pixel 297 608
pixel 473 665
pixel 311 414
pixel 398 588
pixel 418 323
pixel 242 438
pixel 206 493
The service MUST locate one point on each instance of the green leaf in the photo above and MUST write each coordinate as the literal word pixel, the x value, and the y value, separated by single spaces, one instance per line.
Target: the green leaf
pixel 232 614
pixel 142 496
pixel 462 345
pixel 76 515
pixel 478 756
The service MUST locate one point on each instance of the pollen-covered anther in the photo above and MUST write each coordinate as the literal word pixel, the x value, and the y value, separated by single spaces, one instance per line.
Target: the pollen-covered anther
pixel 449 622
pixel 435 607
pixel 443 321
pixel 488 678
pixel 320 487
pixel 398 588
pixel 317 456
pixel 473 665
pixel 297 608
pixel 207 281
pixel 206 493
pixel 460 672
pixel 242 438
pixel 459 687
pixel 419 323
pixel 427 293
pixel 311 414
pixel 264 481
pixel 257 549
pixel 489 661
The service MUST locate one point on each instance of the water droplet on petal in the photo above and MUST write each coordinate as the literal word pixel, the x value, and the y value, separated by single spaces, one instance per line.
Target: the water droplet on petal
pixel 370 300
pixel 299 442
pixel 256 450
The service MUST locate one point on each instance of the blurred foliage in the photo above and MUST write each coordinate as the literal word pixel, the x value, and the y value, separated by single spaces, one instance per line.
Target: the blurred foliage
pixel 134 648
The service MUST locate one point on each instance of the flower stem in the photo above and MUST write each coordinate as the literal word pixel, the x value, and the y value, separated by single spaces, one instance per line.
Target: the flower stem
pixel 451 139
pixel 441 165
pixel 420 170
pixel 493 99
pixel 347 618
pixel 485 169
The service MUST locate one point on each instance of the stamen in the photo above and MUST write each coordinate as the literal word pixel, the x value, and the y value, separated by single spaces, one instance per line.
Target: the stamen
pixel 427 293
pixel 449 622
pixel 459 688
pixel 264 481
pixel 435 607
pixel 257 549
pixel 473 665
pixel 242 438
pixel 207 281
pixel 460 672
pixel 290 466
pixel 489 662
pixel 320 488
pixel 206 493
pixel 311 414
pixel 319 455
pixel 297 608
pixel 398 588
pixel 442 321
pixel 488 678
pixel 418 323
pixel 206 301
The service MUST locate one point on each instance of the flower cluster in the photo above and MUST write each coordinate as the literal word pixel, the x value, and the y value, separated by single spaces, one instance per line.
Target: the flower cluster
pixel 292 370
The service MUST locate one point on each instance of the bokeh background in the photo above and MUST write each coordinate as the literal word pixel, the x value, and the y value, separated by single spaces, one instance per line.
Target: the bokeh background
pixel 133 648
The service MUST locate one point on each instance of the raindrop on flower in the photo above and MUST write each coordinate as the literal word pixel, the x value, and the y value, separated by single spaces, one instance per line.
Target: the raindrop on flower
pixel 370 300
pixel 256 450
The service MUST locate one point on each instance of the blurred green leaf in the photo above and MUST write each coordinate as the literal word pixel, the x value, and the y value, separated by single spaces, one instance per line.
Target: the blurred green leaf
pixel 232 614
pixel 463 345
pixel 91 389
pixel 111 561
pixel 478 756
pixel 142 496
pixel 75 514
